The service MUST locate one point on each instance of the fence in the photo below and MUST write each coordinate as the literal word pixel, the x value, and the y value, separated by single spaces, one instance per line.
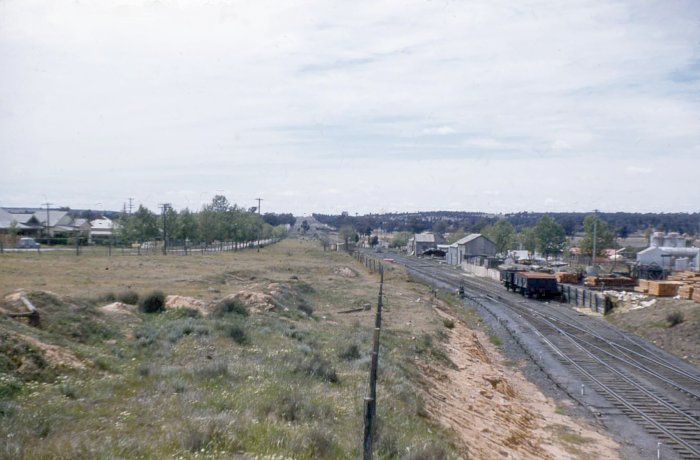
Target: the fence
pixel 78 247
pixel 583 297
pixel 372 264
pixel 481 271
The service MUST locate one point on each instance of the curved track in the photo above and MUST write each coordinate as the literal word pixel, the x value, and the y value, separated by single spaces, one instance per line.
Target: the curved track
pixel 644 383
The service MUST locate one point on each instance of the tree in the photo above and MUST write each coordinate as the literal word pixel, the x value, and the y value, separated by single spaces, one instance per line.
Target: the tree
pixel 456 236
pixel 140 226
pixel 502 233
pixel 305 227
pixel 400 240
pixel 528 240
pixel 347 233
pixel 604 236
pixel 550 236
pixel 186 228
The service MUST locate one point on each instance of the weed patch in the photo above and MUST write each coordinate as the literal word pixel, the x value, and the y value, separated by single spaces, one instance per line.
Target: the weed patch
pixel 154 302
pixel 317 366
pixel 227 306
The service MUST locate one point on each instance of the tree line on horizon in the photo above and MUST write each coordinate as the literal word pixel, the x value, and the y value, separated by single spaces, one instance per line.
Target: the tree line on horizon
pixel 621 224
pixel 215 221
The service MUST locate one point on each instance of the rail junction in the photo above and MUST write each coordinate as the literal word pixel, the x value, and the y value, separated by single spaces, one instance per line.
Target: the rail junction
pixel 634 388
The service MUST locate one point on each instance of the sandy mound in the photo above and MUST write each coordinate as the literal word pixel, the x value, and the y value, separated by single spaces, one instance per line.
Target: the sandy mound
pixel 118 308
pixel 178 301
pixel 12 303
pixel 345 272
pixel 256 302
pixel 54 355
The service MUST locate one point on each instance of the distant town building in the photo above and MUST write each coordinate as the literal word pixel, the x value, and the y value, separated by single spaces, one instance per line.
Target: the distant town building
pixel 669 252
pixel 469 248
pixel 421 242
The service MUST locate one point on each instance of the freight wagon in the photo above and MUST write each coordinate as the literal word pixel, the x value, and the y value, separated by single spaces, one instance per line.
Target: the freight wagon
pixel 507 277
pixel 537 285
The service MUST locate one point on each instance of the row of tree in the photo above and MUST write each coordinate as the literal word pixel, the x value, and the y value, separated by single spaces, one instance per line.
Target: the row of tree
pixel 216 221
pixel 548 237
pixel 620 223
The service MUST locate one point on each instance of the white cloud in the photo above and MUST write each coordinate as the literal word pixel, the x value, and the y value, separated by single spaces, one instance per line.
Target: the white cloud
pixel 439 131
pixel 122 99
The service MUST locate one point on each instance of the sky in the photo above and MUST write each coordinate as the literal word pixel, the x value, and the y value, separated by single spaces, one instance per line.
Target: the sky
pixel 363 106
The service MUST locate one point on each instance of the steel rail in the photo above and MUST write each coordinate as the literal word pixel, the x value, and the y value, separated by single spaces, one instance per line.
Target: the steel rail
pixel 536 316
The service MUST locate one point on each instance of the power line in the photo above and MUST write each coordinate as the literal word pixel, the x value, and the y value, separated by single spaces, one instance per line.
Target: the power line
pixel 47 204
pixel 165 207
pixel 259 200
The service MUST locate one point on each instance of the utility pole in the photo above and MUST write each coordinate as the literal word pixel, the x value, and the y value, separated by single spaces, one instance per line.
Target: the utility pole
pixel 259 200
pixel 165 207
pixel 131 204
pixel 48 224
pixel 595 224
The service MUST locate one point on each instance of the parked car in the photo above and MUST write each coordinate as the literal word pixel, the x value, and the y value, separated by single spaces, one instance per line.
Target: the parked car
pixel 27 243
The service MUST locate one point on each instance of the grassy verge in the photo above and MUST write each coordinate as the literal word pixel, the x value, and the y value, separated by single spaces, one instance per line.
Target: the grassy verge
pixel 177 384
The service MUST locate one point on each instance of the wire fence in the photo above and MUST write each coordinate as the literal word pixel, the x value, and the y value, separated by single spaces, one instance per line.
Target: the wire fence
pixel 80 247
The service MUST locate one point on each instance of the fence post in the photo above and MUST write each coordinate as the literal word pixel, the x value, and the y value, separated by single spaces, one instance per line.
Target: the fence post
pixel 371 399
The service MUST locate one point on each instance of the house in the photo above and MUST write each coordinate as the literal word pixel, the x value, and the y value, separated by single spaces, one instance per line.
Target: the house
pixel 421 242
pixel 22 224
pixel 102 229
pixel 470 248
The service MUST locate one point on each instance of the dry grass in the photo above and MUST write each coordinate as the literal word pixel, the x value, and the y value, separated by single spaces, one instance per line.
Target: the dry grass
pixel 179 384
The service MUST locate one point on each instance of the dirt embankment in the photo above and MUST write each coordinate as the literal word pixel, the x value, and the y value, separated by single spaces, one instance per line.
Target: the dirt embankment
pixel 670 324
pixel 496 413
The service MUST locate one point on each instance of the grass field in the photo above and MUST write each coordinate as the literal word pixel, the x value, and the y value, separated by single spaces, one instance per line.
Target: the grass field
pixel 283 381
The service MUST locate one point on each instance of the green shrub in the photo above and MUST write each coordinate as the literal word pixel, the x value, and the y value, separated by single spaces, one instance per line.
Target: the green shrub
pixel 108 297
pixel 230 306
pixel 317 366
pixel 188 326
pixel 128 297
pixel 306 308
pixel 153 302
pixel 350 353
pixel 429 452
pixel 448 323
pixel 212 370
pixel 675 318
pixel 237 333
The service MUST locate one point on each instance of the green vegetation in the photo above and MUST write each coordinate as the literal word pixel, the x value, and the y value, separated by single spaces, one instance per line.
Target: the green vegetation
pixel 675 318
pixel 180 384
pixel 153 302
pixel 217 221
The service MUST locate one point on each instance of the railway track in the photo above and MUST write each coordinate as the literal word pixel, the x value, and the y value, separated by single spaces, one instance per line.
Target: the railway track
pixel 640 382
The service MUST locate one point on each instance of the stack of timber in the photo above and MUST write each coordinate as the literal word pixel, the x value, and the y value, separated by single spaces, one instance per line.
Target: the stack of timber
pixel 609 281
pixel 685 292
pixel 664 288
pixel 686 277
pixel 643 287
pixel 565 277
pixel 696 294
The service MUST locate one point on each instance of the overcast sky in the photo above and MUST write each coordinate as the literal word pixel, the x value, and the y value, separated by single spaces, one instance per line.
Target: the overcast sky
pixel 358 106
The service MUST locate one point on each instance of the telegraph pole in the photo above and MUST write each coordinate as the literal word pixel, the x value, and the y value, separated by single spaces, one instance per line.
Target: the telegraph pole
pixel 165 207
pixel 595 224
pixel 131 204
pixel 47 204
pixel 259 200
